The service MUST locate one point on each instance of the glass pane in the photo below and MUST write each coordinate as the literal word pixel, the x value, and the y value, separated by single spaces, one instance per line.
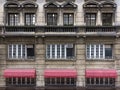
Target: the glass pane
pixel 107 19
pixel 88 81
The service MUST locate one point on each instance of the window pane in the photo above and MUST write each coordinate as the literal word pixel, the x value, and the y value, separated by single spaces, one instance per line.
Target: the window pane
pixel 92 81
pixel 53 81
pixel 14 81
pixel 29 19
pixel 68 80
pixel 62 81
pixel 70 52
pixel 28 81
pixel 23 81
pixel 106 81
pixel 10 51
pixel 19 81
pixel 13 19
pixel 68 18
pixel 108 51
pixel 101 80
pixel 58 81
pixel 30 51
pixel 32 81
pixel 107 19
pixel 88 81
pixel 97 81
pixel 47 81
pixel 90 19
pixel 52 19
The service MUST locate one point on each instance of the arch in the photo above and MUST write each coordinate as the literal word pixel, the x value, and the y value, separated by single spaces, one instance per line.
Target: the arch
pixel 29 4
pixel 11 4
pixel 108 4
pixel 69 5
pixel 91 3
pixel 51 5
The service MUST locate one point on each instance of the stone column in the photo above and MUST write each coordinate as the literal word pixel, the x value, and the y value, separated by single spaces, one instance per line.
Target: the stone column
pixel 99 20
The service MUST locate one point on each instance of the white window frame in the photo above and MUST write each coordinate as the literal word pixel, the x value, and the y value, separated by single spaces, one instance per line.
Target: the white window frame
pixel 17 56
pixel 101 51
pixel 65 81
pixel 99 81
pixel 16 79
pixel 56 54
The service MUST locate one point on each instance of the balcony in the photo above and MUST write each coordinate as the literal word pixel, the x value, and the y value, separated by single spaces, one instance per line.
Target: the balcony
pixel 100 31
pixel 57 30
pixel 61 30
pixel 19 30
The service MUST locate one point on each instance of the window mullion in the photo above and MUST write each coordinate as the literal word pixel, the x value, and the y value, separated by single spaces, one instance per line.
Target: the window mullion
pixel 103 51
pixel 90 51
pixel 56 51
pixel 60 51
pixel 21 50
pixel 94 51
pixel 51 51
pixel 12 51
pixel 99 51
pixel 17 51
pixel 65 51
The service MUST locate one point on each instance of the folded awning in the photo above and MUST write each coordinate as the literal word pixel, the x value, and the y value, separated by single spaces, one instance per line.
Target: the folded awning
pixel 102 73
pixel 52 73
pixel 19 73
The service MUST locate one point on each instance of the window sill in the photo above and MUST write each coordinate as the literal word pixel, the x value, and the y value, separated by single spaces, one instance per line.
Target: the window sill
pixel 10 59
pixel 100 59
pixel 68 59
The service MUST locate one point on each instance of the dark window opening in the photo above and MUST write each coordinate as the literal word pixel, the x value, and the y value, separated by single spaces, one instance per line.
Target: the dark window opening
pixel 90 19
pixel 68 19
pixel 107 19
pixel 52 18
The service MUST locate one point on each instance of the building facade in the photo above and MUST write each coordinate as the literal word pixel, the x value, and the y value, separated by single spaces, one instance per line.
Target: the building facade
pixel 59 44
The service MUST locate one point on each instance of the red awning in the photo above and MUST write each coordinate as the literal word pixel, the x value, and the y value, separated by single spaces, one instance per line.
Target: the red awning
pixel 91 73
pixel 60 73
pixel 19 73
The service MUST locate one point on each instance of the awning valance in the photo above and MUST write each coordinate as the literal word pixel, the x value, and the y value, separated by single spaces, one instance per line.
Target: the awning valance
pixel 102 73
pixel 52 73
pixel 19 73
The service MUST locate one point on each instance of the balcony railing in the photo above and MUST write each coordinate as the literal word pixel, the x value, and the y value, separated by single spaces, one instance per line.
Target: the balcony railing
pixel 61 30
pixel 101 29
pixel 19 29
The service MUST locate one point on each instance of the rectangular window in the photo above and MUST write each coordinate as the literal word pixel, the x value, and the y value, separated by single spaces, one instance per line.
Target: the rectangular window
pixel 13 19
pixel 60 51
pixel 68 19
pixel 99 51
pixel 60 81
pixel 100 81
pixel 107 19
pixel 29 19
pixel 90 19
pixel 20 51
pixel 20 81
pixel 52 18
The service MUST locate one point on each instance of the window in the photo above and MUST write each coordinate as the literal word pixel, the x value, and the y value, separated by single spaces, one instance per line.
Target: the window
pixel 13 19
pixel 60 51
pixel 107 19
pixel 99 51
pixel 100 81
pixel 29 19
pixel 20 51
pixel 90 19
pixel 52 18
pixel 60 81
pixel 68 19
pixel 20 81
